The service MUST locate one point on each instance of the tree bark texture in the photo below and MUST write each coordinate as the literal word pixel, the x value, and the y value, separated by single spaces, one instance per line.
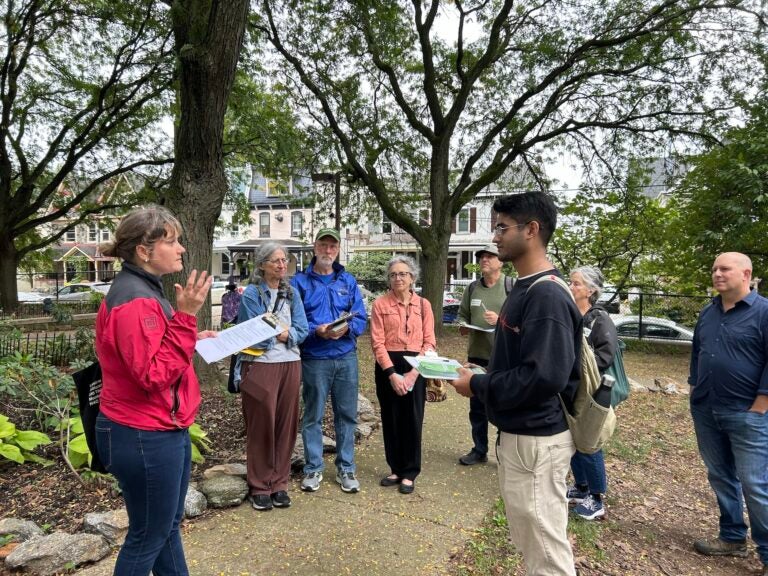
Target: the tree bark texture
pixel 208 37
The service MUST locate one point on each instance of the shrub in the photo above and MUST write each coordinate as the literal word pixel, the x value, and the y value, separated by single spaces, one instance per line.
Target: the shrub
pixel 17 445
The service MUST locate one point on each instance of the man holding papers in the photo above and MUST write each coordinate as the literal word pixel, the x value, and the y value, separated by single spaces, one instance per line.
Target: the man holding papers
pixel 329 360
pixel 480 307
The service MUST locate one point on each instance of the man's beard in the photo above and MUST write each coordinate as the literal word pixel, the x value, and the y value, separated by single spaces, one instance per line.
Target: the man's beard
pixel 325 260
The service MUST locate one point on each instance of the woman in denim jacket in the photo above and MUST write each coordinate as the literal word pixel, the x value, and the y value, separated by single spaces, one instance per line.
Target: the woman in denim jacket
pixel 270 375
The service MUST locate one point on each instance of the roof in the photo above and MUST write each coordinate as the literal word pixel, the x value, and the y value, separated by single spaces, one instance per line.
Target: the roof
pixel 254 244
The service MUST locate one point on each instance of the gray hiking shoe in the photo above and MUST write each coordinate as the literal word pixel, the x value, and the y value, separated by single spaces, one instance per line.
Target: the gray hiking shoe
pixel 717 547
pixel 348 482
pixel 311 482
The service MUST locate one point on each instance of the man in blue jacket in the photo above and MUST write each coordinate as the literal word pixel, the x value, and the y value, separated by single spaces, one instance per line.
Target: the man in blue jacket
pixel 329 360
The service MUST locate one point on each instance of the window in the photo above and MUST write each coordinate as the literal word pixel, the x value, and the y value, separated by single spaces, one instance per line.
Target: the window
pixel 106 234
pixel 273 189
pixel 386 224
pixel 656 331
pixel 424 217
pixel 297 223
pixel 70 235
pixel 465 222
pixel 628 329
pixel 264 225
pixel 226 265
pixel 93 233
pixel 235 230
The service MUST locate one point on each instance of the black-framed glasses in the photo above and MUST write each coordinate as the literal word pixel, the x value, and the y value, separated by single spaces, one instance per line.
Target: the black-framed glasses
pixel 499 229
pixel 393 275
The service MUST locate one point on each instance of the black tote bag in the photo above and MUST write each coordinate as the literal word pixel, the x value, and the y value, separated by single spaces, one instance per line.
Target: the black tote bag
pixel 88 384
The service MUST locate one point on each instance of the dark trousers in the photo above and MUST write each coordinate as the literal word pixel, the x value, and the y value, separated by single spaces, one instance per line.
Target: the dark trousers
pixel 152 469
pixel 402 418
pixel 270 394
pixel 478 418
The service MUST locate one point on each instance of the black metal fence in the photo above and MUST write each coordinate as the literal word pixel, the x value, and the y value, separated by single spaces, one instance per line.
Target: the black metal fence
pixel 56 349
pixel 50 309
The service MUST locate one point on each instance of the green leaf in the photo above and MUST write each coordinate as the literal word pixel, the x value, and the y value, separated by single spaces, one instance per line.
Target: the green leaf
pixel 11 453
pixel 7 429
pixel 197 457
pixel 78 444
pixel 31 439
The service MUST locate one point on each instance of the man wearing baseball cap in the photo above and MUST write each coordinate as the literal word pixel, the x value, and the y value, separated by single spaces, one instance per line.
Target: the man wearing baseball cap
pixel 329 360
pixel 480 306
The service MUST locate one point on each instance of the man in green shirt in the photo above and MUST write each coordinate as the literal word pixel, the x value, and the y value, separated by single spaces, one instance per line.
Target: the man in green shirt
pixel 480 308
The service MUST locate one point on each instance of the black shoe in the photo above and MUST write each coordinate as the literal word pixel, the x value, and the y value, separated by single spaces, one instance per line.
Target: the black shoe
pixel 387 481
pixel 280 499
pixel 261 502
pixel 406 488
pixel 473 457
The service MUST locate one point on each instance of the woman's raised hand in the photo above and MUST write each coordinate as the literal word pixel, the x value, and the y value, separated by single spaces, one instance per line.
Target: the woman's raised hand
pixel 192 296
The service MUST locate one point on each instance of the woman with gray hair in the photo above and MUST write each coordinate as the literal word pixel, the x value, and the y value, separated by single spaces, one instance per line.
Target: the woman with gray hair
pixel 270 375
pixel 590 482
pixel 402 324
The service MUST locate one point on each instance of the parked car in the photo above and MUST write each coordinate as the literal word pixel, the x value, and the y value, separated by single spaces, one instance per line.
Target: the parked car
pixel 654 330
pixel 217 291
pixel 610 306
pixel 30 297
pixel 81 291
pixel 450 298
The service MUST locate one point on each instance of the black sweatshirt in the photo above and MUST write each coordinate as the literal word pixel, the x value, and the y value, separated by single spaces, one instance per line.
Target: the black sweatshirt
pixel 535 357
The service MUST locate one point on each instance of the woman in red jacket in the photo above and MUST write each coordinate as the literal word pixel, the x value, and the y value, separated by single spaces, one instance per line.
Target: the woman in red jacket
pixel 150 393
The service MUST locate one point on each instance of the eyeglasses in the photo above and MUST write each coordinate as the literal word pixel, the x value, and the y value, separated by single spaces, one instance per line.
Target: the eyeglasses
pixel 499 229
pixel 278 261
pixel 394 275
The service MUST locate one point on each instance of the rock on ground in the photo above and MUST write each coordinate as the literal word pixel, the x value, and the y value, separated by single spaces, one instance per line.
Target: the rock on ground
pixel 57 553
pixel 224 491
pixel 113 525
pixel 195 503
pixel 21 530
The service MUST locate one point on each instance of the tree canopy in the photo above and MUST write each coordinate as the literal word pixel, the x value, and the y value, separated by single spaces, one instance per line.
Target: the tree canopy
pixel 431 102
pixel 722 203
pixel 78 109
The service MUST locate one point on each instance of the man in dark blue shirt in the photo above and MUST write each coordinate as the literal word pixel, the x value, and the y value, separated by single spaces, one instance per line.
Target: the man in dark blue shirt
pixel 729 402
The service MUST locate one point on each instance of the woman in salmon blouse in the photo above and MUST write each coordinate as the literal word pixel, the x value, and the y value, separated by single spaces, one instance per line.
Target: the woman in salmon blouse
pixel 402 324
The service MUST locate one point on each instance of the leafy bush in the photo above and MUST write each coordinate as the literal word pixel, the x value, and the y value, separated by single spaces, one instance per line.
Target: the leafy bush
pixel 199 443
pixel 17 445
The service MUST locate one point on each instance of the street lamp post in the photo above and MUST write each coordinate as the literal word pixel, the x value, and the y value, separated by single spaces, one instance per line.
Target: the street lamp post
pixel 334 177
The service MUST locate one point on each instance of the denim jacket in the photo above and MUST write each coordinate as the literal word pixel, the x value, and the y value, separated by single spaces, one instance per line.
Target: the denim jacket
pixel 255 302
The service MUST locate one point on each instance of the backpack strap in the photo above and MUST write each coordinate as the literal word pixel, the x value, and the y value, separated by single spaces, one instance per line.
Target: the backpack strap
pixel 509 282
pixel 471 288
pixel 551 277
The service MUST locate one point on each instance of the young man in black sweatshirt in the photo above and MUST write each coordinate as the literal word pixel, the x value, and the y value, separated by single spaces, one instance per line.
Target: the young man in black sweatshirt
pixel 535 358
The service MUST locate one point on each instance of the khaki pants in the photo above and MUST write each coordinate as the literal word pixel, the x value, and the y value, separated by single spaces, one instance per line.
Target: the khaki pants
pixel 532 471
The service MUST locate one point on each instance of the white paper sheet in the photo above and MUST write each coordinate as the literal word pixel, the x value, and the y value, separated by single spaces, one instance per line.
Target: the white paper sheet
pixel 232 340
pixel 478 328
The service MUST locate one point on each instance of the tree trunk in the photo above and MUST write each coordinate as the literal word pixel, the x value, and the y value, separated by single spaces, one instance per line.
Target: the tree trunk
pixel 208 39
pixel 9 297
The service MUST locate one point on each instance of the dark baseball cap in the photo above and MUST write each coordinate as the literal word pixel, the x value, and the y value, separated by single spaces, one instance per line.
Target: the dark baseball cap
pixel 332 232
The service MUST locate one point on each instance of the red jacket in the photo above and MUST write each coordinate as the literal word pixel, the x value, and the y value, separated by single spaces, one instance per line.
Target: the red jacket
pixel 145 350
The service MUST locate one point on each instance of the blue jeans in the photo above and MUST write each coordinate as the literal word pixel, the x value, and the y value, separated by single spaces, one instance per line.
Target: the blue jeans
pixel 152 469
pixel 589 469
pixel 337 376
pixel 734 448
